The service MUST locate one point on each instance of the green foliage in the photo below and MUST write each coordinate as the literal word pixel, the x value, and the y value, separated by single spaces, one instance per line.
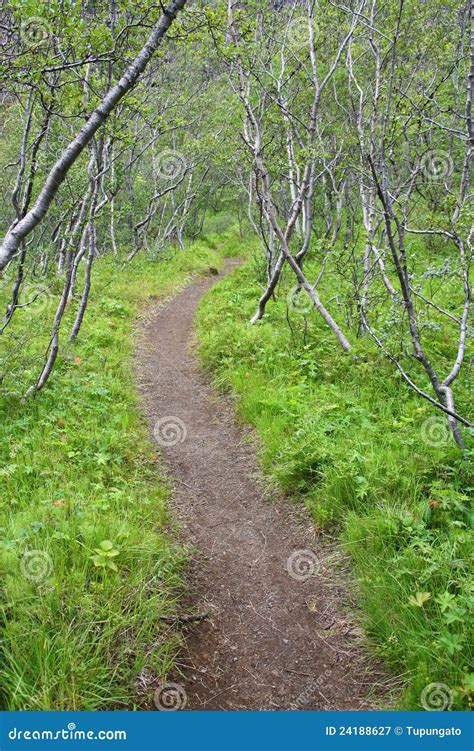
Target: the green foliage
pixel 344 434
pixel 104 555
pixel 87 564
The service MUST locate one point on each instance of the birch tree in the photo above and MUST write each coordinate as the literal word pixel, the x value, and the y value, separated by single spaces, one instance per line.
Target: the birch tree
pixel 20 229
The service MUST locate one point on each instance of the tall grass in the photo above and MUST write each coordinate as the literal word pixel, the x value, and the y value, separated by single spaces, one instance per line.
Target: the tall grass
pixel 87 556
pixel 344 434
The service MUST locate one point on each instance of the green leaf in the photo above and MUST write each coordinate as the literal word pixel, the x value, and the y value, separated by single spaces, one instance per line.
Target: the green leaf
pixel 468 682
pixel 446 600
pixel 419 599
pixel 453 643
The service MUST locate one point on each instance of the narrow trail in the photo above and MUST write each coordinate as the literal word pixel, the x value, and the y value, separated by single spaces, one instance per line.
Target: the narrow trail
pixel 278 634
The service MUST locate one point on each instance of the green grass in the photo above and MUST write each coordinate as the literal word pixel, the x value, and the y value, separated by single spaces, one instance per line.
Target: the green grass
pixel 80 484
pixel 87 556
pixel 345 435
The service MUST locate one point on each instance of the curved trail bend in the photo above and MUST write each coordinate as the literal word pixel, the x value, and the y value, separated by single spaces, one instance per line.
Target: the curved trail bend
pixel 271 641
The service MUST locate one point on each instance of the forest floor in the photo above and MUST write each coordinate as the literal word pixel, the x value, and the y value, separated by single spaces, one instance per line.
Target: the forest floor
pixel 278 631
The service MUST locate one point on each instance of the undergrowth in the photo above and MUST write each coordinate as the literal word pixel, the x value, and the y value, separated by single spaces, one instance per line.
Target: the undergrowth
pixel 344 433
pixel 87 559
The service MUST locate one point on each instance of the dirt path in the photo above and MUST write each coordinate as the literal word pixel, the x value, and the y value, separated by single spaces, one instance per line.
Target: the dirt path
pixel 278 635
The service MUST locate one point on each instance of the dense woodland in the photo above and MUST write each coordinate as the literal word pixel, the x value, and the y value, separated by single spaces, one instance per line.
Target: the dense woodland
pixel 330 144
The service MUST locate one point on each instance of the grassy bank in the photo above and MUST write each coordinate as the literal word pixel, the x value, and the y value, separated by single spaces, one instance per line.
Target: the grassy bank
pixel 347 436
pixel 87 561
